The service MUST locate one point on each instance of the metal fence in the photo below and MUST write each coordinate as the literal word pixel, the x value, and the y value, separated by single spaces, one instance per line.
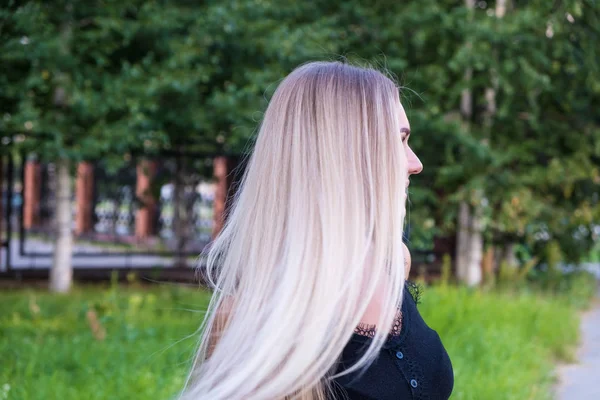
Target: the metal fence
pixel 10 204
pixel 178 228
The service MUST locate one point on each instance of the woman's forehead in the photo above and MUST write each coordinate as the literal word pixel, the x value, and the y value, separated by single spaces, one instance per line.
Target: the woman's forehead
pixel 403 118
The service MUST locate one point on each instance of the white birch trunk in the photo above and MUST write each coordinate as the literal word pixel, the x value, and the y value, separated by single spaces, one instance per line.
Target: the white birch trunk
pixel 474 275
pixel 469 243
pixel 61 274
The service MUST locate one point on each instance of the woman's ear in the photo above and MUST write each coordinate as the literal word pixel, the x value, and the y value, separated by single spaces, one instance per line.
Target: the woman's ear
pixel 407 260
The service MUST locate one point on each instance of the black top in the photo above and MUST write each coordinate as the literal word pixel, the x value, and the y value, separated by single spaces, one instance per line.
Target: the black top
pixel 413 363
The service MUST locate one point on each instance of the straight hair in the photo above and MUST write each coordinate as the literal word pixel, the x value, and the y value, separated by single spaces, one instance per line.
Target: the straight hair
pixel 314 231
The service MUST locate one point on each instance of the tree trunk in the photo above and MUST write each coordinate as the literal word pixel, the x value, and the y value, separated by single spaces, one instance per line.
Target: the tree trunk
pixel 61 274
pixel 474 272
pixel 490 92
pixel 490 96
pixel 220 173
pixel 462 241
pixel 469 243
pixel 501 6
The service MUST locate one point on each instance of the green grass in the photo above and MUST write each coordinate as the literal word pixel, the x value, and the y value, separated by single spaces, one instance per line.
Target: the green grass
pixel 503 345
pixel 52 353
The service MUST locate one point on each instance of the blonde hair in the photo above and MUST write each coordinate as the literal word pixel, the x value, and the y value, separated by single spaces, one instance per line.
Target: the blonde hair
pixel 314 231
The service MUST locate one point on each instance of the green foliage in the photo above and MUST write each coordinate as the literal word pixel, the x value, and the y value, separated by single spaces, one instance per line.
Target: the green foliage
pixel 535 156
pixel 60 56
pixel 97 78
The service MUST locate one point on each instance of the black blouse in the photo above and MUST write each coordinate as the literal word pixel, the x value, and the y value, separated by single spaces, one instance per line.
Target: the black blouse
pixel 413 363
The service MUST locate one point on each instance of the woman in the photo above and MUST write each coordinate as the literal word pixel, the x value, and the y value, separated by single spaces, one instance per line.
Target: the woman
pixel 311 259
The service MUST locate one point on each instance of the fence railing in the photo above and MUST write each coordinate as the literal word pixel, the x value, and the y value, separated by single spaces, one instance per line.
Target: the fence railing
pixel 159 211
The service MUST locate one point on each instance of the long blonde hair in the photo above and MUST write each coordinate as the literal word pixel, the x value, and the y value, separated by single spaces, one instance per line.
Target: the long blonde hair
pixel 314 231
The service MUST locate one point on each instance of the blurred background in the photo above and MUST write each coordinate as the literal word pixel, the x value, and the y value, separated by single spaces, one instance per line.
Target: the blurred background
pixel 125 125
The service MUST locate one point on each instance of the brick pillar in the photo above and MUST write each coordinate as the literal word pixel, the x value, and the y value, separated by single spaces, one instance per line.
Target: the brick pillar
pixel 84 198
pixel 144 217
pixel 221 188
pixel 227 171
pixel 31 195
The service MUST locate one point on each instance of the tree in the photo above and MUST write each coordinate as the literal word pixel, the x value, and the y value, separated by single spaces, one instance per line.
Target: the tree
pixel 545 137
pixel 541 62
pixel 63 55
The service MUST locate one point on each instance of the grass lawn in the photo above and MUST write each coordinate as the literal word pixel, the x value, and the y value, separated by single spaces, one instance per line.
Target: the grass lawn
pixel 49 351
pixel 503 345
